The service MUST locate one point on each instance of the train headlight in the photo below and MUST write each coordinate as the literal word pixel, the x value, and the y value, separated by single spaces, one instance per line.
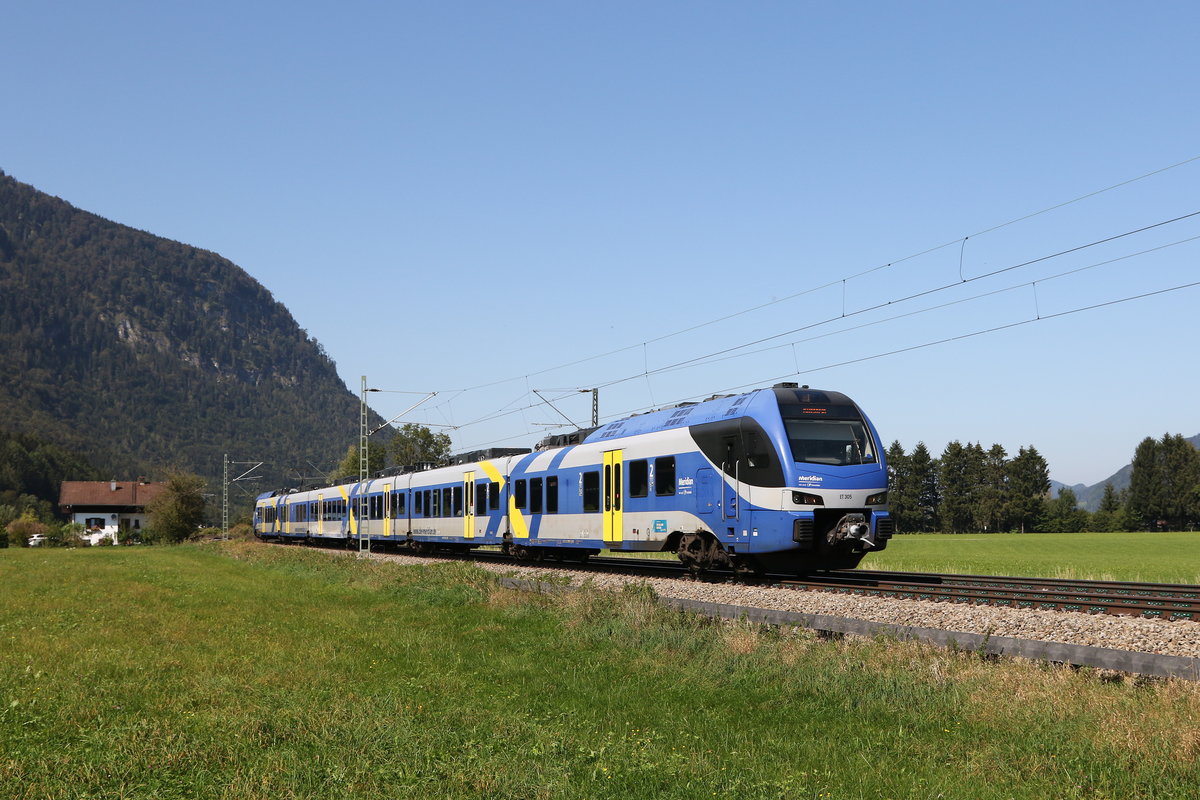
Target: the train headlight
pixel 806 499
pixel 878 499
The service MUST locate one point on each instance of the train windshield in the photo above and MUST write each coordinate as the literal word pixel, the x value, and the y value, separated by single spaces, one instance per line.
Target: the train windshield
pixel 837 442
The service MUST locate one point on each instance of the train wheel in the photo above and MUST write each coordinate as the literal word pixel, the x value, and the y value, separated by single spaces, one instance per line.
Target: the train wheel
pixel 701 551
pixel 747 567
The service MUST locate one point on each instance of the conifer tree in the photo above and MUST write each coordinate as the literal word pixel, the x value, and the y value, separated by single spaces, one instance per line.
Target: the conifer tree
pixel 1029 483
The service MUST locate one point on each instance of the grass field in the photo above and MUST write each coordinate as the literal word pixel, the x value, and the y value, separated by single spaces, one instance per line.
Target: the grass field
pixel 1153 557
pixel 245 671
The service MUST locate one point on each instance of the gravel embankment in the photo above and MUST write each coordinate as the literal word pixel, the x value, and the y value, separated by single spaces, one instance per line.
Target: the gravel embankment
pixel 1176 638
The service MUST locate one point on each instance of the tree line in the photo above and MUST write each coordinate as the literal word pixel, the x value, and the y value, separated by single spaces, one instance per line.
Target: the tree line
pixel 968 489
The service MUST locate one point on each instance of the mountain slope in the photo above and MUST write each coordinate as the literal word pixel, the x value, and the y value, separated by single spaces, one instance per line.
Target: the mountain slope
pixel 143 353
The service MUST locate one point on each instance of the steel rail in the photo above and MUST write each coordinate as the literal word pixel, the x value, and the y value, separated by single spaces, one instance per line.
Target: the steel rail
pixel 1153 601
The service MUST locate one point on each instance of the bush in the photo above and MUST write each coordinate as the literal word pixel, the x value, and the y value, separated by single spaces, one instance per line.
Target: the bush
pixel 241 531
pixel 19 530
pixel 176 514
pixel 68 535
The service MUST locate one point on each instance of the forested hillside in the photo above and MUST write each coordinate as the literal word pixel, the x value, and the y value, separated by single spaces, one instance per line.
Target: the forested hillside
pixel 142 353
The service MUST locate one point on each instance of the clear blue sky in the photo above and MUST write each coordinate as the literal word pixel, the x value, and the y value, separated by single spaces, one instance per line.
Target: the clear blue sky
pixel 451 195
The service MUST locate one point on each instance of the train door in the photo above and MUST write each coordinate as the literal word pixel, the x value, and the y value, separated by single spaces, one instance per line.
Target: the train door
pixel 707 497
pixel 730 468
pixel 469 505
pixel 613 493
pixel 387 509
pixel 729 508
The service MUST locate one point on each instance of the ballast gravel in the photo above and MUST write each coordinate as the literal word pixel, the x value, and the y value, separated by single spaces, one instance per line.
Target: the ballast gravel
pixel 1175 638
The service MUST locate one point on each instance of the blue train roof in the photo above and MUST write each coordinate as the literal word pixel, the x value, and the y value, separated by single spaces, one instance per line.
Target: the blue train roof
pixel 715 409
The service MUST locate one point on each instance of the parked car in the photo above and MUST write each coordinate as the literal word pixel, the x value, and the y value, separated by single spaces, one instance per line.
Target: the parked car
pixel 37 540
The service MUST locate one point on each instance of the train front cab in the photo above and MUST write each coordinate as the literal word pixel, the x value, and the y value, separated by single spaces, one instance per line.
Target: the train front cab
pixel 838 477
pixel 799 478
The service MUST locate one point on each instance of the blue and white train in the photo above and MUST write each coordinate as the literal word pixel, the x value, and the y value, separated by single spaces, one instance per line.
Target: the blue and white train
pixel 786 479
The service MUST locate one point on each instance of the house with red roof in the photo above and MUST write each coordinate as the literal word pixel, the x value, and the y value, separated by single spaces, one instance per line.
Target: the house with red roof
pixel 108 509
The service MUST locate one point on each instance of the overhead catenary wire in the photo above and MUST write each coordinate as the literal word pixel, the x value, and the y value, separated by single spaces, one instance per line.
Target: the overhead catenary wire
pixel 938 307
pixel 834 282
pixel 710 357
pixel 646 372
pixel 646 375
pixel 888 353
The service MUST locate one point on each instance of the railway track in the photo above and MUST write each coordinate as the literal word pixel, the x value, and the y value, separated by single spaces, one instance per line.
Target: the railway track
pixel 1121 598
pixel 1149 600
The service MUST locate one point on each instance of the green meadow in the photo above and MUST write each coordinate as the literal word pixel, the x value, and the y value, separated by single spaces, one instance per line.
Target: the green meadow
pixel 1150 557
pixel 239 670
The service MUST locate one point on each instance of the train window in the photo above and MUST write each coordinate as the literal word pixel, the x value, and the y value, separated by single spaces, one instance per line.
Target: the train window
pixel 436 509
pixel 552 494
pixel 376 506
pixel 664 476
pixel 447 509
pixel 458 501
pixel 757 454
pixel 535 496
pixel 828 441
pixel 418 506
pixel 639 478
pixel 481 498
pixel 493 496
pixel 608 482
pixel 397 505
pixel 519 493
pixel 591 491
pixel 742 448
pixel 616 492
